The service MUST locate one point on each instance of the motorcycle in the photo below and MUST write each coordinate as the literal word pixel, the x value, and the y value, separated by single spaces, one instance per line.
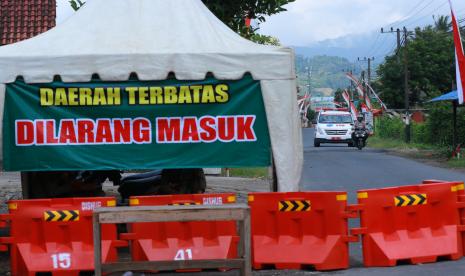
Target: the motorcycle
pixel 163 182
pixel 359 137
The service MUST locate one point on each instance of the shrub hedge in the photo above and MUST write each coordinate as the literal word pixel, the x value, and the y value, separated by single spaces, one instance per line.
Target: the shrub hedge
pixel 437 130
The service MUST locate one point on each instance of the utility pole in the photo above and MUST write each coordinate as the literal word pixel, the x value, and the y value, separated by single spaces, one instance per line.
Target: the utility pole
pixel 397 32
pixel 406 90
pixel 398 45
pixel 309 78
pixel 367 81
pixel 406 75
pixel 362 81
pixel 368 60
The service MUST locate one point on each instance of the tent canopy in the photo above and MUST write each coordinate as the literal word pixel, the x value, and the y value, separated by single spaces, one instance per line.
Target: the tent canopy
pixel 153 38
pixel 451 96
pixel 149 37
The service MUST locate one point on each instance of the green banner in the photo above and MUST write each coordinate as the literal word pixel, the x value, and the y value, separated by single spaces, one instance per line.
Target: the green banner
pixel 134 125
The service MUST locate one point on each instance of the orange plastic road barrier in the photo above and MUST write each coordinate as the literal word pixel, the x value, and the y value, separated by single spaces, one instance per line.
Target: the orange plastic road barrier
pixel 193 240
pixel 55 235
pixel 460 188
pixel 297 230
pixel 413 224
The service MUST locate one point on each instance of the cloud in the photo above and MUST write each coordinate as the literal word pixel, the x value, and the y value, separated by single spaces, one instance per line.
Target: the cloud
pixel 310 21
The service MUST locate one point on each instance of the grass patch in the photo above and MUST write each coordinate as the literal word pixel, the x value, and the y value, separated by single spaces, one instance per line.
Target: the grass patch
pixel 456 163
pixel 255 172
pixel 386 143
pixel 419 151
pixel 382 143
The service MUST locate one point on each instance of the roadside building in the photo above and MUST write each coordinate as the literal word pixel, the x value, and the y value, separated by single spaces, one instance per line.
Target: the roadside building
pixel 23 19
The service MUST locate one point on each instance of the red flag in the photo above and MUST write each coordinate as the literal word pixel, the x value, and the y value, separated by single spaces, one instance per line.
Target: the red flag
pixel 459 56
pixel 248 21
pixel 361 91
pixel 353 110
pixel 383 106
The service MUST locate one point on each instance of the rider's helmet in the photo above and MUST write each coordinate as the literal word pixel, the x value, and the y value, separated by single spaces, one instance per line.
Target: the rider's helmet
pixel 360 118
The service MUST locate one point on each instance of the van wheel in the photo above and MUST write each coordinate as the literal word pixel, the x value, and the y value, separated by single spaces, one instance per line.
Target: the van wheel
pixel 316 144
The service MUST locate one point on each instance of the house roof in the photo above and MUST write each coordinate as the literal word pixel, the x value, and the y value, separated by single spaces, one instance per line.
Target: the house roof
pixel 23 19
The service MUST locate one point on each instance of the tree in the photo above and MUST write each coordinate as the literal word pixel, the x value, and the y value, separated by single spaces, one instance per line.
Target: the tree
pixel 442 23
pixel 338 96
pixel 265 39
pixel 234 13
pixel 430 63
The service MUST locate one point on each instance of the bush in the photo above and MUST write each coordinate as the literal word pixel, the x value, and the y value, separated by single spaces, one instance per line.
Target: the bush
pixel 420 133
pixel 389 128
pixel 440 125
pixel 437 130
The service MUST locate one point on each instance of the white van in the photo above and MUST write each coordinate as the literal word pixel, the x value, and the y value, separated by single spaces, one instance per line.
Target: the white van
pixel 334 127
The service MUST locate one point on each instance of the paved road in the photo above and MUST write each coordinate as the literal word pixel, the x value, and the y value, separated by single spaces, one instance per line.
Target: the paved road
pixel 338 167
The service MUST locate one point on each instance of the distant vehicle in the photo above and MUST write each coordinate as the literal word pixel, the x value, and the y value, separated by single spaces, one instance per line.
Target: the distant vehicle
pixel 333 127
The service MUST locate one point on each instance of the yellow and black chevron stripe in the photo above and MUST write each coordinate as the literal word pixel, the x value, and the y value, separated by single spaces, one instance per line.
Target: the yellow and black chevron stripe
pixel 410 200
pixel 61 215
pixel 294 205
pixel 185 203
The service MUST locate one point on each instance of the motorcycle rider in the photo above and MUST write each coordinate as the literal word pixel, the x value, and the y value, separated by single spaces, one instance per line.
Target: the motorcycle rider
pixel 360 125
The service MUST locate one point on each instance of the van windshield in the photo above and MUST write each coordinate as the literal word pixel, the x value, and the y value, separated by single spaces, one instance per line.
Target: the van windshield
pixel 335 119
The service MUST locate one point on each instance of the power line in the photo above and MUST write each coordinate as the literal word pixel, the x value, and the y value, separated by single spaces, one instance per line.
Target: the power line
pixel 374 44
pixel 403 21
pixel 430 14
pixel 383 51
pixel 408 14
pixel 419 7
pixel 380 46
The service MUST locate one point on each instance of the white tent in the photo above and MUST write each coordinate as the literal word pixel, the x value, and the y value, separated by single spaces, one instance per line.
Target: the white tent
pixel 114 38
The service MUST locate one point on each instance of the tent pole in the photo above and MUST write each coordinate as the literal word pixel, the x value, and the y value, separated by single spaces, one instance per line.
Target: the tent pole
pixel 454 139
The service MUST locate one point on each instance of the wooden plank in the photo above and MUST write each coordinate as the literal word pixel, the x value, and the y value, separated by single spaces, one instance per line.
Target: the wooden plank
pixel 97 245
pixel 103 210
pixel 171 265
pixel 167 216
pixel 241 244
pixel 169 213
pixel 237 212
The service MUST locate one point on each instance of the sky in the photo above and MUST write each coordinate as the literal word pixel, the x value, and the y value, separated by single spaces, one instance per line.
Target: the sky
pixel 311 21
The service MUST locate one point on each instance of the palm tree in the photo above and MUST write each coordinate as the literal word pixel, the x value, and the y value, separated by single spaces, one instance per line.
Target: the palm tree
pixel 442 23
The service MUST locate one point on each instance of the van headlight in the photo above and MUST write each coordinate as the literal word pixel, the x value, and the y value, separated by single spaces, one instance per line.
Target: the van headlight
pixel 320 131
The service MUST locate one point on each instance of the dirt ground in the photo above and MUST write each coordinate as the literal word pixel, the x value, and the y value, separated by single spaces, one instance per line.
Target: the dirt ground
pixel 10 188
